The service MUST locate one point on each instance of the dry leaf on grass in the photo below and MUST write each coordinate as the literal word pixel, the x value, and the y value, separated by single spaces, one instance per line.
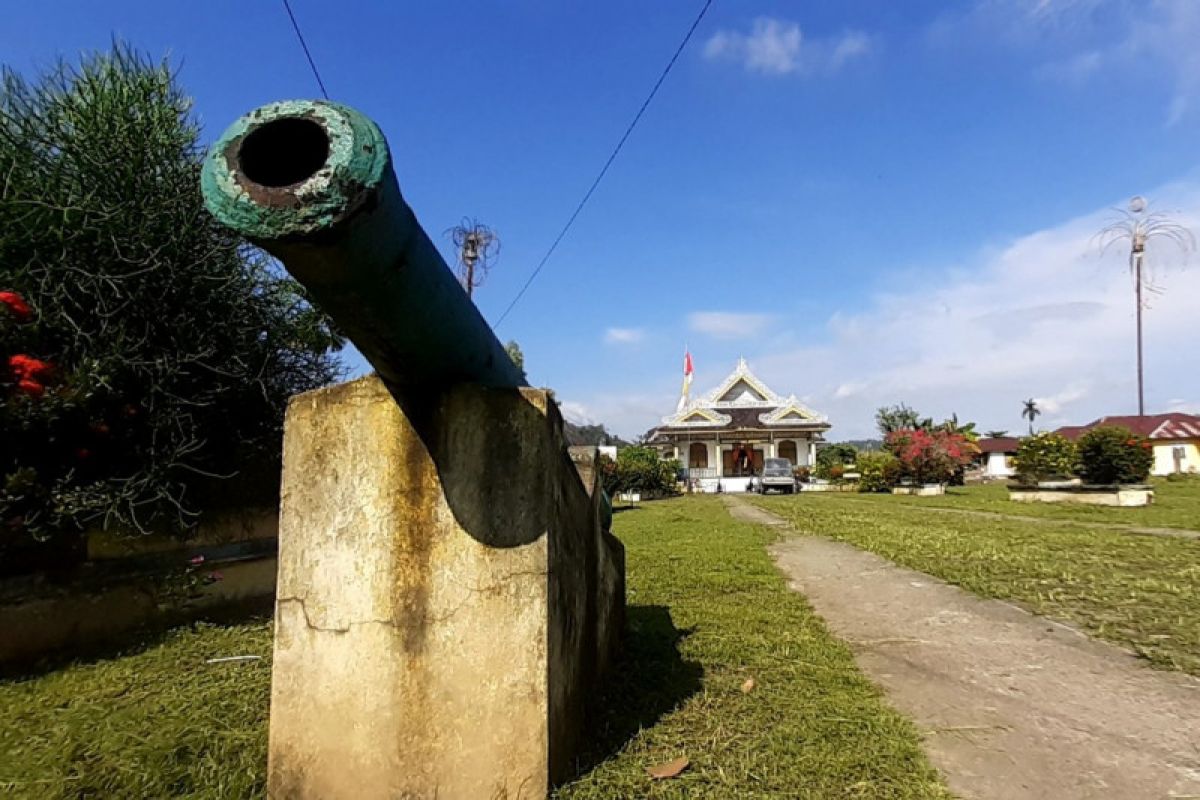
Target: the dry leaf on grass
pixel 669 769
pixel 748 686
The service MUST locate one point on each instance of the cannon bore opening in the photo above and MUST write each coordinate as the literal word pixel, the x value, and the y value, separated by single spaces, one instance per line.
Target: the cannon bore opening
pixel 284 152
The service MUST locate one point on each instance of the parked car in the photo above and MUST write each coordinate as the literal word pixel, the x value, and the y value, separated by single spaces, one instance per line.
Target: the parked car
pixel 776 475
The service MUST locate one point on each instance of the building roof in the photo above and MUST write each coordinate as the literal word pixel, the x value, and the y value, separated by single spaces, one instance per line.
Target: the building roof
pixel 742 402
pixel 1175 425
pixel 998 444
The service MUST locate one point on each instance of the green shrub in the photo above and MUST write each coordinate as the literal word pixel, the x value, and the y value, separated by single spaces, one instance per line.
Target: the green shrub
pixel 1112 454
pixel 1046 455
pixel 879 471
pixel 641 470
pixel 833 458
pixel 146 355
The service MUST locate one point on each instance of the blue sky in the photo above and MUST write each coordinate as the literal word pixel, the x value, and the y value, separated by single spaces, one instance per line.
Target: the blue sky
pixel 871 201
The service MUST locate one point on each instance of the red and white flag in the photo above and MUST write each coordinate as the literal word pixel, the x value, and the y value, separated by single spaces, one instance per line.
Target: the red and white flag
pixel 687 380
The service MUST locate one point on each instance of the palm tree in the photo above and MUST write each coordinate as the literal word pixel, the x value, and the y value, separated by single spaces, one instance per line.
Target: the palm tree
pixel 1030 412
pixel 1138 227
pixel 995 434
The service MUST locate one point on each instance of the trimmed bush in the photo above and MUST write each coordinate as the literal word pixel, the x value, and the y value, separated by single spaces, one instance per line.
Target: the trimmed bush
pixel 879 471
pixel 1044 456
pixel 1112 454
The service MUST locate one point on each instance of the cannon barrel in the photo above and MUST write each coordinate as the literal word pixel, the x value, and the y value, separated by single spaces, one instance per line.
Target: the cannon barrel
pixel 311 182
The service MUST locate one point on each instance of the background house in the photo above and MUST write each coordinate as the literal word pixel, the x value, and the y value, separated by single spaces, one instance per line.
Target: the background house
pixel 996 456
pixel 1175 438
pixel 725 435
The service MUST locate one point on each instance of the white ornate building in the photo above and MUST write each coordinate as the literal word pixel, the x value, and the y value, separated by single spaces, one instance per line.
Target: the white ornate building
pixel 725 435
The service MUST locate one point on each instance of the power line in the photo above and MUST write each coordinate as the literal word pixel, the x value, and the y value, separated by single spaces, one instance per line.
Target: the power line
pixel 304 45
pixel 612 157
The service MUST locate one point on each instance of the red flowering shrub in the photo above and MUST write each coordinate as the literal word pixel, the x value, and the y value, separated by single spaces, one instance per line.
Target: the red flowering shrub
pixel 16 306
pixel 929 456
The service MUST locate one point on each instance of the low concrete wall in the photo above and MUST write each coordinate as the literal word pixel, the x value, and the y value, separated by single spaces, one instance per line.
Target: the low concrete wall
pixel 1125 496
pixel 447 597
pixel 133 583
pixel 929 490
pixel 829 487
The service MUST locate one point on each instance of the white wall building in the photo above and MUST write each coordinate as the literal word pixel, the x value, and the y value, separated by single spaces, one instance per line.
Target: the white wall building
pixel 724 436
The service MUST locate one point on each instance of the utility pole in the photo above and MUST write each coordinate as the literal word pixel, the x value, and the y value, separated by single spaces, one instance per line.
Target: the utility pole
pixel 477 246
pixel 1138 227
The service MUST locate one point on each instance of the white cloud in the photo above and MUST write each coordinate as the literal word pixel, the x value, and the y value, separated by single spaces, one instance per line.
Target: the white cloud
pixel 1083 40
pixel 851 45
pixel 1046 317
pixel 577 413
pixel 624 335
pixel 778 47
pixel 848 390
pixel 1056 403
pixel 628 413
pixel 728 324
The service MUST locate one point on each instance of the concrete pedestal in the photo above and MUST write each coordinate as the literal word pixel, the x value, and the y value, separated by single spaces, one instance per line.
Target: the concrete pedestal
pixel 447 599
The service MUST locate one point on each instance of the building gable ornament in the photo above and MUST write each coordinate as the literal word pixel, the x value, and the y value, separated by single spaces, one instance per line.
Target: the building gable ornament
pixel 777 411
pixel 791 412
pixel 696 414
pixel 742 375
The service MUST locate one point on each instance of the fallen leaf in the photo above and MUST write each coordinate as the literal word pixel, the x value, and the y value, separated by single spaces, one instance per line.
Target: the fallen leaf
pixel 748 686
pixel 669 769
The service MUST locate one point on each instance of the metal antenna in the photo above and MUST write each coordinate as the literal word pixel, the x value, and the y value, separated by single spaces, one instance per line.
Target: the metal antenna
pixel 477 247
pixel 1139 226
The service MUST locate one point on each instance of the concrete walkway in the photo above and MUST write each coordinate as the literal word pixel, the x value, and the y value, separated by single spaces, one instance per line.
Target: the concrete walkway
pixel 1012 705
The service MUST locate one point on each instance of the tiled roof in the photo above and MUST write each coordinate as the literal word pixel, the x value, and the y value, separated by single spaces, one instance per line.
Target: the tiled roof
pixel 1155 426
pixel 998 444
pixel 741 418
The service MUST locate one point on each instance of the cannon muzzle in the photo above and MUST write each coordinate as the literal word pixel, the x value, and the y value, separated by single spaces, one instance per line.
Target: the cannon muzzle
pixel 311 182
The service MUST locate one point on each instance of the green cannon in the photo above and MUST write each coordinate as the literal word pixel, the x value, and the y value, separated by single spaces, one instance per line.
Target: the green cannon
pixel 449 594
pixel 311 182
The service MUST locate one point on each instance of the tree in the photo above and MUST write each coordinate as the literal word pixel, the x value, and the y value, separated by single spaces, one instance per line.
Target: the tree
pixel 514 352
pixel 995 434
pixel 158 351
pixel 639 469
pixel 833 458
pixel 1031 412
pixel 952 425
pixel 896 418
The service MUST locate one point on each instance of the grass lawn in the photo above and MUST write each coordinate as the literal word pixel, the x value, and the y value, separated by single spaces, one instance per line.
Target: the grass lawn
pixel 1142 592
pixel 1176 505
pixel 707 612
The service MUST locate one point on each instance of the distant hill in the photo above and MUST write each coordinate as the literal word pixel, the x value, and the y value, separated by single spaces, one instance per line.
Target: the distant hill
pixel 591 434
pixel 864 444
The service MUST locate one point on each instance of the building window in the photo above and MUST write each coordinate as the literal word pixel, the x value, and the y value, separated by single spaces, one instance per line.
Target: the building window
pixel 788 450
pixel 698 455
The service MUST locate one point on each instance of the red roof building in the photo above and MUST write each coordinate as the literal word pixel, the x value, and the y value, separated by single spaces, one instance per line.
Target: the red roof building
pixel 1175 437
